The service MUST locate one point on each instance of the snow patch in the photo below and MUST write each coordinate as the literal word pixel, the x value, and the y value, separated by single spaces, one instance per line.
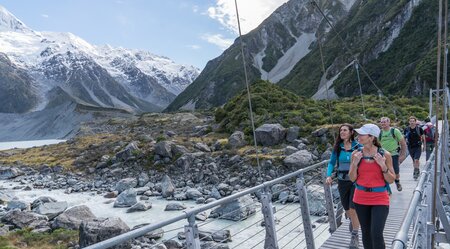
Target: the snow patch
pixel 293 55
pixel 189 106
pixel 348 4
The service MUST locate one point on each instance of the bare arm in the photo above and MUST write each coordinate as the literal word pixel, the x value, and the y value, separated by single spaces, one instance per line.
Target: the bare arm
pixel 403 147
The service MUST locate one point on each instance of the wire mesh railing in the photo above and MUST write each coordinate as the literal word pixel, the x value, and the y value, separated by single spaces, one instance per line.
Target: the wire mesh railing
pixel 280 213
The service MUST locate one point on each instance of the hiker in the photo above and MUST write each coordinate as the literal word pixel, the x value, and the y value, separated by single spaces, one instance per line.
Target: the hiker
pixel 392 140
pixel 415 139
pixel 429 138
pixel 343 147
pixel 372 171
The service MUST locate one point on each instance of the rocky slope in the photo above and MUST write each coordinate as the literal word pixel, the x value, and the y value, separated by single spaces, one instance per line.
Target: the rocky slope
pixel 394 41
pixel 272 49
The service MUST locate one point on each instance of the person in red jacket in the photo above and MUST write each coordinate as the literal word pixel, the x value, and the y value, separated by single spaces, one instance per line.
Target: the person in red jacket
pixel 372 171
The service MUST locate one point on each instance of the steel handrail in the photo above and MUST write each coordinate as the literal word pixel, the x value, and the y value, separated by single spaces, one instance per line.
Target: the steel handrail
pixel 192 212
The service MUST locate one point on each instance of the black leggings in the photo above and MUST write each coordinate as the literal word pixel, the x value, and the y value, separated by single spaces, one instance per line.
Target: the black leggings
pixel 372 220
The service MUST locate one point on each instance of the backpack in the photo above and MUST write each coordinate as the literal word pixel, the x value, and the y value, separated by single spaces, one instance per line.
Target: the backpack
pixel 393 135
pixel 386 186
pixel 338 152
pixel 429 134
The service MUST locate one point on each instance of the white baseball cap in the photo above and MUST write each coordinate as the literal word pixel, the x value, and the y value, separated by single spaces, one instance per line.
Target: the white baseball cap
pixel 369 129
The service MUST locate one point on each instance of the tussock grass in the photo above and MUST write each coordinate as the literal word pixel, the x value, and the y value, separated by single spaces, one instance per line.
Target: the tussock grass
pixel 58 239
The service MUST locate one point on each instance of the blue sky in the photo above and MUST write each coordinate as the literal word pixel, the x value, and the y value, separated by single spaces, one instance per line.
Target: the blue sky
pixel 187 31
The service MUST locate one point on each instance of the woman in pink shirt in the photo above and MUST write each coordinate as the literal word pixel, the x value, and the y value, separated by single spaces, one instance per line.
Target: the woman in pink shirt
pixel 372 171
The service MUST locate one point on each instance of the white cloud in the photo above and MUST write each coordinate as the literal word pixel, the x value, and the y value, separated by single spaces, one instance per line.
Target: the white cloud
pixel 194 47
pixel 251 13
pixel 195 8
pixel 44 15
pixel 218 40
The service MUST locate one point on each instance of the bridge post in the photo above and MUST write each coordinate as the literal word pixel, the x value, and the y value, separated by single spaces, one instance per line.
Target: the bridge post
pixel 329 204
pixel 422 232
pixel 271 241
pixel 191 232
pixel 309 236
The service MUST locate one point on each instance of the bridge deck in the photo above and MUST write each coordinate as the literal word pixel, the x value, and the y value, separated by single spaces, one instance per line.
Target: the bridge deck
pixel 397 210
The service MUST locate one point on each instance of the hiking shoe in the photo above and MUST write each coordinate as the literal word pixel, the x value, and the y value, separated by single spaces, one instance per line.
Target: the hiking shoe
pixel 354 241
pixel 416 174
pixel 399 186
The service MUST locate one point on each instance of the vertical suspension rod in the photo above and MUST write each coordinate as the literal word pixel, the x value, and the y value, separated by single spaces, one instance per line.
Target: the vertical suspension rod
pixel 438 79
pixel 248 89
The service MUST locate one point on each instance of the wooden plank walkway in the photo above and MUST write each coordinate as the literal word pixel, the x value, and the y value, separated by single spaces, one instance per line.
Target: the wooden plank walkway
pixel 397 210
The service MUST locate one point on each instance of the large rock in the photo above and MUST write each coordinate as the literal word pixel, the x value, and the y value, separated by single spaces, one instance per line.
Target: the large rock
pixel 193 194
pixel 167 187
pixel 130 150
pixel 270 134
pixel 237 139
pixel 236 210
pixel 51 209
pixel 299 159
pixel 9 173
pixel 202 147
pixel 139 207
pixel 72 218
pixel 125 184
pixel 126 199
pixel 17 204
pixel 98 230
pixel 174 206
pixel 22 219
pixel 5 197
pixel 143 179
pixel 316 200
pixel 164 149
pixel 43 199
pixel 292 133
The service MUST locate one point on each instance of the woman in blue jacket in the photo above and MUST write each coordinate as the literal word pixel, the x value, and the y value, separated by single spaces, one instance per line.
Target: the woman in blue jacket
pixel 342 151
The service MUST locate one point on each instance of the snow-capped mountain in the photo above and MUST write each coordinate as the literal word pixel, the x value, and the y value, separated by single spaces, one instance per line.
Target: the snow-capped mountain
pixel 99 76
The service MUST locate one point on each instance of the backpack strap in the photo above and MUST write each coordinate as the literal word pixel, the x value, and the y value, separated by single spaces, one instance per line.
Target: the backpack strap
pixel 393 133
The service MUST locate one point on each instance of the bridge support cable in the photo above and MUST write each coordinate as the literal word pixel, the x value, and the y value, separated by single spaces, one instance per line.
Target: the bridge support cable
pixel 438 83
pixel 319 43
pixel 352 55
pixel 241 41
pixel 360 88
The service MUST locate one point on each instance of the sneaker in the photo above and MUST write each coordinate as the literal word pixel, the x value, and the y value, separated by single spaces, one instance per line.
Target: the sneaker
pixel 399 186
pixel 354 241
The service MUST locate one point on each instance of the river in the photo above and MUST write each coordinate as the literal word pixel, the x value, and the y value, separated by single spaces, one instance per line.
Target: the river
pixel 289 227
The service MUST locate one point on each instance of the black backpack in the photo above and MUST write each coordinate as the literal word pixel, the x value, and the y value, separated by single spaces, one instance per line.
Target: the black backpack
pixel 408 132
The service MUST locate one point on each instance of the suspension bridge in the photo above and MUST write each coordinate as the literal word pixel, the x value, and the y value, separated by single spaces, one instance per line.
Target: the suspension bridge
pixel 410 222
pixel 417 215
